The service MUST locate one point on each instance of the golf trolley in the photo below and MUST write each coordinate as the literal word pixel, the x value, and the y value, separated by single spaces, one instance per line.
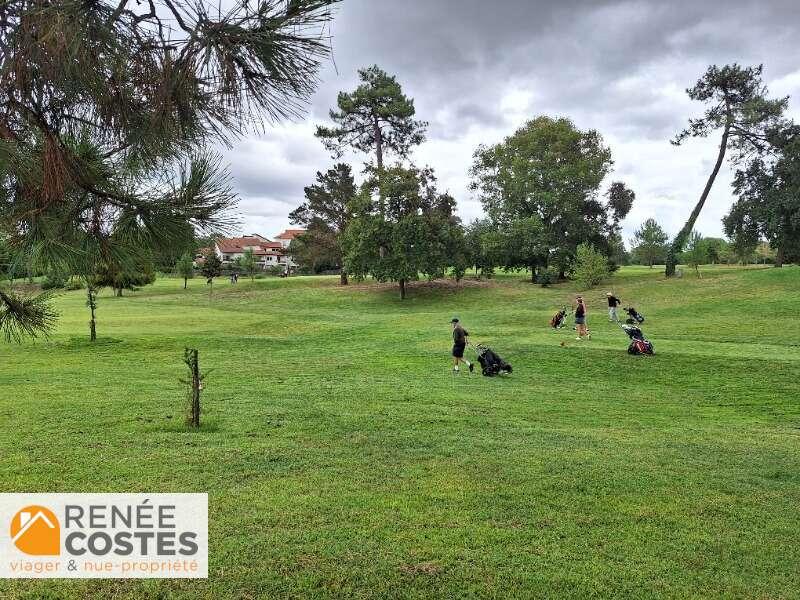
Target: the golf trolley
pixel 491 363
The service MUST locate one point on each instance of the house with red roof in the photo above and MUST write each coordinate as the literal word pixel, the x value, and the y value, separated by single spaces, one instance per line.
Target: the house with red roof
pixel 268 253
pixel 287 236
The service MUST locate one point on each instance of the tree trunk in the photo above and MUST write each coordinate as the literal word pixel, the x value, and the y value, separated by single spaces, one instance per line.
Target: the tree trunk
pixel 779 256
pixel 402 289
pixel 194 405
pixel 680 240
pixel 533 274
pixel 185 282
pixel 343 277
pixel 92 305
pixel 376 133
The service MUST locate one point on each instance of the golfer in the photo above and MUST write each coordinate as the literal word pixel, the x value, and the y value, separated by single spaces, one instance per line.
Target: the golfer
pixel 460 336
pixel 580 319
pixel 613 303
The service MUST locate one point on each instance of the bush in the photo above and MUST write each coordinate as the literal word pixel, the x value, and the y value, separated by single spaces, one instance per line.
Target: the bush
pixel 276 270
pixel 54 281
pixel 547 276
pixel 591 267
pixel 73 284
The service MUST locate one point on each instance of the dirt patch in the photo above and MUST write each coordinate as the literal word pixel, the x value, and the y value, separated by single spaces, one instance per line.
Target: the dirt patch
pixel 436 284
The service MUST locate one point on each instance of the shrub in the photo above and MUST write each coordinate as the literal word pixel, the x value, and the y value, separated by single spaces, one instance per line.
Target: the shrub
pixel 54 281
pixel 547 276
pixel 73 283
pixel 591 266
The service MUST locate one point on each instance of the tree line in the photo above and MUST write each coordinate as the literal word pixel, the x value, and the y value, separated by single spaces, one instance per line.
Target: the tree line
pixel 540 189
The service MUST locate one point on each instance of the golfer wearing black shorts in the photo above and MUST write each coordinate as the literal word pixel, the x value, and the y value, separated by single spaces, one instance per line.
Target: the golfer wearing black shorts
pixel 459 344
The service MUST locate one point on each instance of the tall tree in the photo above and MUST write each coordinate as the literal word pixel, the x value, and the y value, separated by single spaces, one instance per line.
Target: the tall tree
pixel 377 117
pixel 325 214
pixel 103 100
pixel 739 107
pixel 551 170
pixel 768 204
pixel 185 268
pixel 649 242
pixel 415 229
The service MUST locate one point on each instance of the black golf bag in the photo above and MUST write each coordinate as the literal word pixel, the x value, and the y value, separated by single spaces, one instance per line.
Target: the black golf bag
pixel 491 363
pixel 634 317
pixel 639 344
pixel 557 322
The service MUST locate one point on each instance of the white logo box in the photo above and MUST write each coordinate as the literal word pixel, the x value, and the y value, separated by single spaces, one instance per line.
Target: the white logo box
pixel 99 536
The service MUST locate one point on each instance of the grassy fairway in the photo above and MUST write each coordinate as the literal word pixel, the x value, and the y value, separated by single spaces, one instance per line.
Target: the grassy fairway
pixel 342 459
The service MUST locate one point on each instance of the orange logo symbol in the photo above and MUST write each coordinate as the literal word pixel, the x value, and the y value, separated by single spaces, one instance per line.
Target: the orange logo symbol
pixel 35 530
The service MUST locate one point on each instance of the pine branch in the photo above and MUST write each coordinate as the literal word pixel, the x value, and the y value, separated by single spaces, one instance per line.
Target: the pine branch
pixel 26 317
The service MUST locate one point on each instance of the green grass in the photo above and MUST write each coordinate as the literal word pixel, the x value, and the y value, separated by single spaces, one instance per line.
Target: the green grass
pixel 342 459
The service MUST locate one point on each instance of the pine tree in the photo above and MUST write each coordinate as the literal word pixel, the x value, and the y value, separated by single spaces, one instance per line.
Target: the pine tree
pixel 740 108
pixel 109 107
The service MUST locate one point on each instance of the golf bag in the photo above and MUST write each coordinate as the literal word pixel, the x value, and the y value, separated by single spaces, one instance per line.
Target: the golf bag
pixel 639 344
pixel 635 317
pixel 491 363
pixel 557 322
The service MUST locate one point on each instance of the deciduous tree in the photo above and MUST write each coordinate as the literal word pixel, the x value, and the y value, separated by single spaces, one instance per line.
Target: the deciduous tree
pixel 768 203
pixel 591 266
pixel 414 231
pixel 549 169
pixel 695 254
pixel 248 264
pixel 211 268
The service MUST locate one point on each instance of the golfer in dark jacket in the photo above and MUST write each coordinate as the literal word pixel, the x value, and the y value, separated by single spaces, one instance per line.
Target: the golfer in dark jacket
pixel 613 303
pixel 460 336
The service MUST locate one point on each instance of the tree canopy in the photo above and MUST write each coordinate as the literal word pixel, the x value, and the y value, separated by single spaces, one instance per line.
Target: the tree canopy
pixel 768 202
pixel 414 236
pixel 376 117
pixel 551 171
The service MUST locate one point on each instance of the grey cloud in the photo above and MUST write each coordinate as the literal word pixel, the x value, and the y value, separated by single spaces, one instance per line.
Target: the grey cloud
pixel 617 66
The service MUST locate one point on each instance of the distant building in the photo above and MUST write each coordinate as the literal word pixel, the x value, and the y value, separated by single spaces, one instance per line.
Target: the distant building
pixel 267 253
pixel 287 236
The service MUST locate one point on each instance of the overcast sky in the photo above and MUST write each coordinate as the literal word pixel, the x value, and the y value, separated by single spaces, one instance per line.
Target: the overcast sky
pixel 478 69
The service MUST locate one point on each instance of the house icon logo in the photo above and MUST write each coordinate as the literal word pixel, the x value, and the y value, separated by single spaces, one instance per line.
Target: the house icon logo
pixel 35 530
